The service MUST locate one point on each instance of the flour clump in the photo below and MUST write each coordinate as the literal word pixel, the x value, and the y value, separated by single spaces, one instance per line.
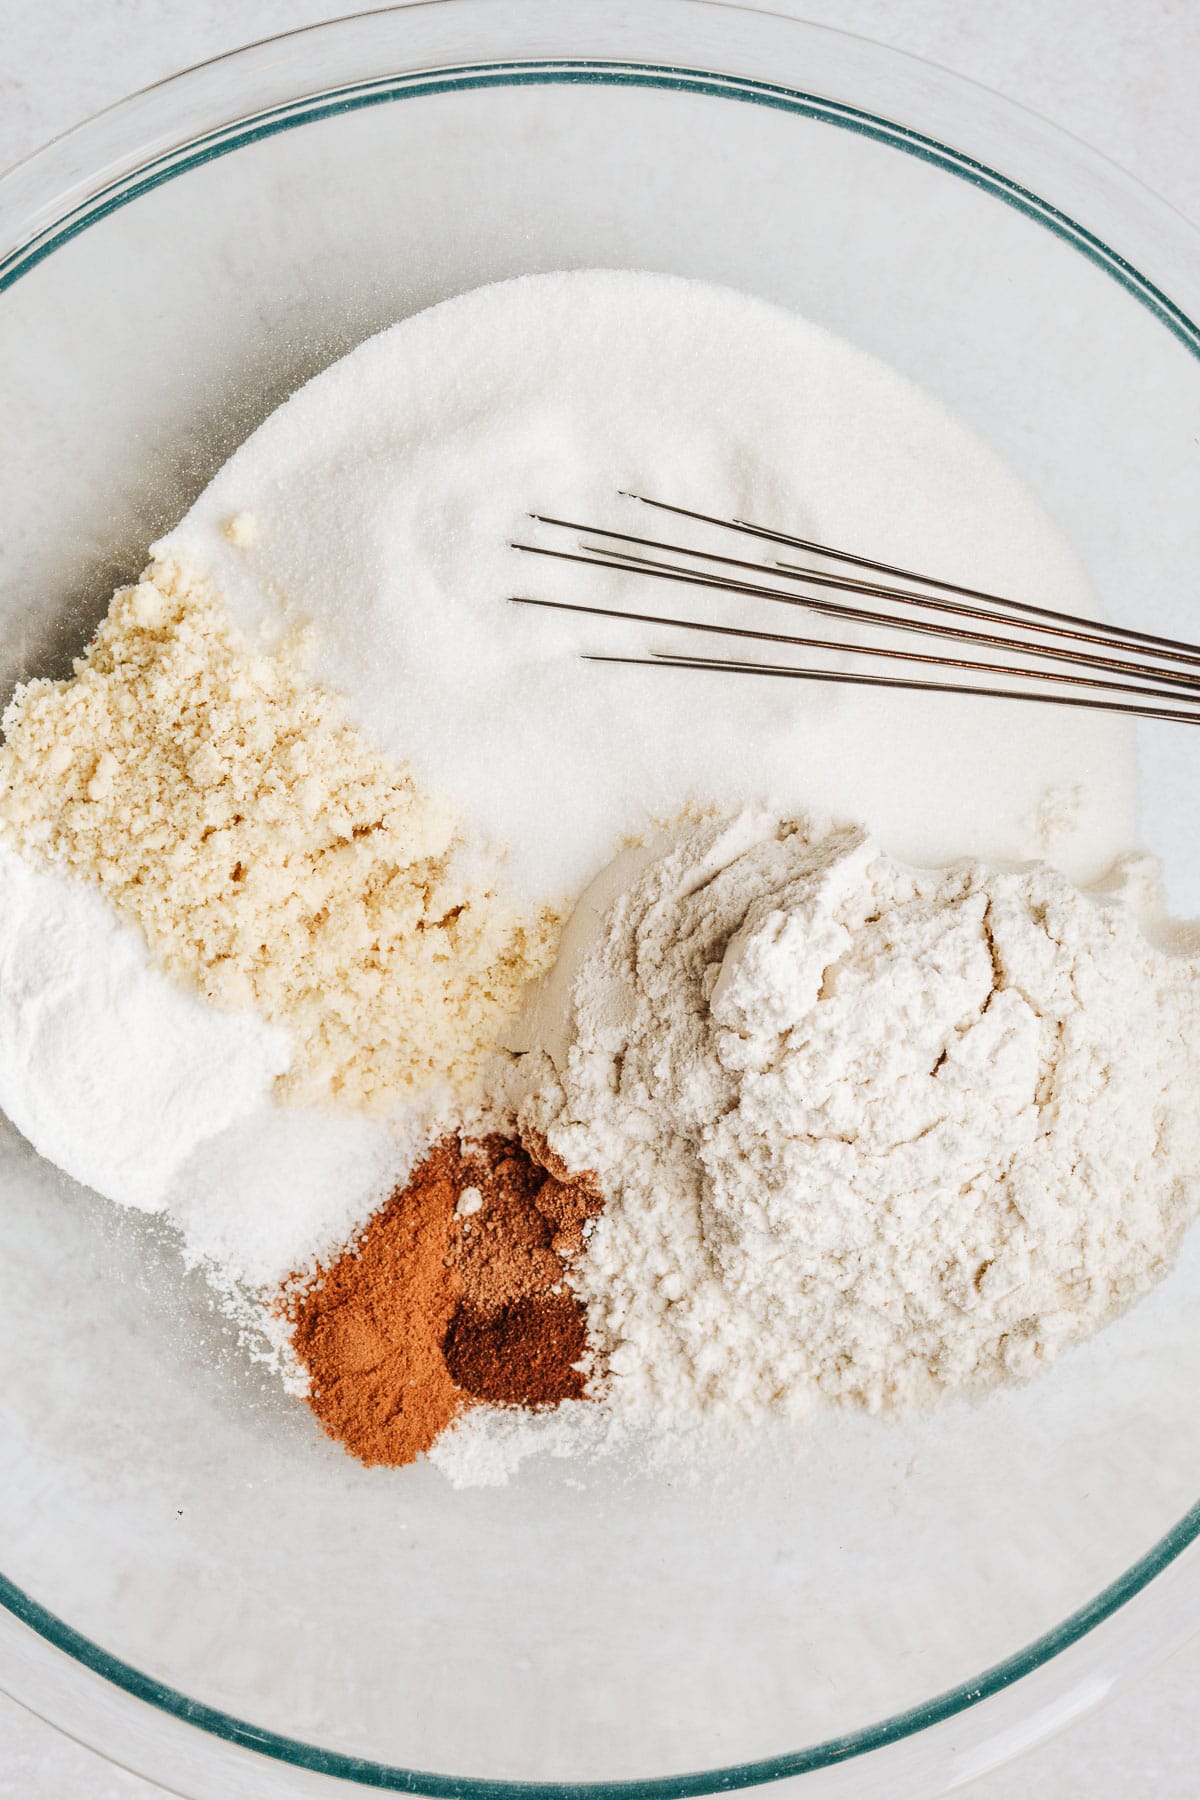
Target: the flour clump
pixel 867 1132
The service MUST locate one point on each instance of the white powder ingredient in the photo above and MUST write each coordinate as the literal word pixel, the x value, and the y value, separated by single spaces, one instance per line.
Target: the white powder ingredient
pixel 867 1132
pixel 110 1070
pixel 137 1088
pixel 286 1187
pixel 1056 816
pixel 486 1445
pixel 386 491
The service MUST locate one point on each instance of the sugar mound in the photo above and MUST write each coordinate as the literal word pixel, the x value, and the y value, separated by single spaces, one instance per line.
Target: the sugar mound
pixel 386 492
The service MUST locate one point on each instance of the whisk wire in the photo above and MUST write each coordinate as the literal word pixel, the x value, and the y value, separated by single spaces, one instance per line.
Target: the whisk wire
pixel 1074 654
pixel 859 614
pixel 1192 651
pixel 1048 621
pixel 847 678
pixel 816 643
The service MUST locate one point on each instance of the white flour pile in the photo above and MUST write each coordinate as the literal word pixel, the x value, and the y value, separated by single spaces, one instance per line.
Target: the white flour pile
pixel 867 1132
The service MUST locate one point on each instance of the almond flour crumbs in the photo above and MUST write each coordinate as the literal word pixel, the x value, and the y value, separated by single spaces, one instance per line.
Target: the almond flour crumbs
pixel 271 858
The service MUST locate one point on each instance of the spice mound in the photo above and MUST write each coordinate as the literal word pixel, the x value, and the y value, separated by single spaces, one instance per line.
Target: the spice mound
pixel 455 1294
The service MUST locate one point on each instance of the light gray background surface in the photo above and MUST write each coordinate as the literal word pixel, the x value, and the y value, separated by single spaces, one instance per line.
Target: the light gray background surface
pixel 1123 74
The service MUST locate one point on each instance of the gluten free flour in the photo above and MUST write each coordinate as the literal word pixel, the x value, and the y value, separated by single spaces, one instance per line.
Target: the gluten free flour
pixel 867 1132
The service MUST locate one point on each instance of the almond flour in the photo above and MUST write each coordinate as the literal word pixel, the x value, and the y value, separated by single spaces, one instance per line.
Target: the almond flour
pixel 272 860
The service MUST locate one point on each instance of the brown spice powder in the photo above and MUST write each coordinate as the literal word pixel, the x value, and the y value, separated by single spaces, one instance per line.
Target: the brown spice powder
pixel 454 1294
pixel 524 1350
pixel 370 1329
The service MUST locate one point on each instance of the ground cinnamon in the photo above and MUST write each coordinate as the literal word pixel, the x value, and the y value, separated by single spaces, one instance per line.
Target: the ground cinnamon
pixel 455 1293
pixel 370 1329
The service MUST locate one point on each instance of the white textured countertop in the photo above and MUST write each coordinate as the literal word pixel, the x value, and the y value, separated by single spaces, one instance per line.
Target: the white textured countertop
pixel 1123 74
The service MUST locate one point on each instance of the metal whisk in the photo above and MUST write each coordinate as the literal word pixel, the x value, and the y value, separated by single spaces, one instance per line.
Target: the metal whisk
pixel 1082 662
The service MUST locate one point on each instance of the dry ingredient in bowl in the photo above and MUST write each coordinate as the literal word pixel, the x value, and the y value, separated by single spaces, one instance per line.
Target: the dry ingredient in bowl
pixel 868 1133
pixel 272 859
pixel 110 1070
pixel 456 1292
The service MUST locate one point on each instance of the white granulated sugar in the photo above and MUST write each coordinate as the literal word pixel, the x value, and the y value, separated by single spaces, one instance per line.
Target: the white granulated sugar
pixel 284 1187
pixel 107 1067
pixel 867 1132
pixel 385 492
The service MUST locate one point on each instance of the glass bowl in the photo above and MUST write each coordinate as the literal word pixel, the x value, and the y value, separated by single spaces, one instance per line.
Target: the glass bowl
pixel 196 1583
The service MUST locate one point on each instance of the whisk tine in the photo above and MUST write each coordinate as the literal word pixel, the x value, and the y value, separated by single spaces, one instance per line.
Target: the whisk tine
pixel 866 615
pixel 1060 627
pixel 844 677
pixel 814 643
pixel 1073 656
pixel 763 532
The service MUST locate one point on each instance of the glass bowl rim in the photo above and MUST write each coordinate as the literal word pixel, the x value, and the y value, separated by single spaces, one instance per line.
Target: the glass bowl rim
pixel 33 246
